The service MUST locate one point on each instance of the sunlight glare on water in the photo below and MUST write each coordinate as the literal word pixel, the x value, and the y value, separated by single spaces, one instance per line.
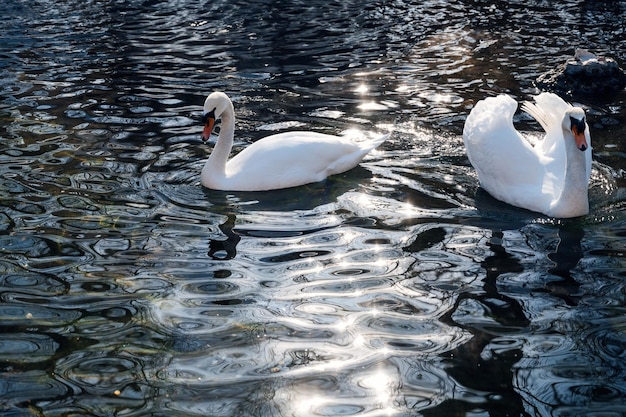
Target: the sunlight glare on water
pixel 398 288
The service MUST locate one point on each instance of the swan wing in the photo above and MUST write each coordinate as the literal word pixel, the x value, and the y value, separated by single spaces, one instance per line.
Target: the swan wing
pixel 508 167
pixel 293 158
pixel 548 109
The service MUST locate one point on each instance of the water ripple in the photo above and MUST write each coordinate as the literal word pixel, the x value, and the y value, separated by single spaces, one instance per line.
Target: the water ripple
pixel 26 348
pixel 396 288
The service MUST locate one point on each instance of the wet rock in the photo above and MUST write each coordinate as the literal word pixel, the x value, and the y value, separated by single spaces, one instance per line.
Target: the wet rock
pixel 584 75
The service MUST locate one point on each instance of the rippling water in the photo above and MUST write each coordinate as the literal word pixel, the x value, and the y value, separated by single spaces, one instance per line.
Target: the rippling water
pixel 398 288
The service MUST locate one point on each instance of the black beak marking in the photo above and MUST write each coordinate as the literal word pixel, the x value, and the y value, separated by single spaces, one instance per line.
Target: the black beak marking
pixel 207 116
pixel 580 124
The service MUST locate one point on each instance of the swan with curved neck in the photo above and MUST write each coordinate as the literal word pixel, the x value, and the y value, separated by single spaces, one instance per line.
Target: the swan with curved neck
pixel 551 177
pixel 278 161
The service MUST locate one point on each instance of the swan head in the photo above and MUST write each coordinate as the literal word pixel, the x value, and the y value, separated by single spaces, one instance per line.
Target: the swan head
pixel 574 122
pixel 214 106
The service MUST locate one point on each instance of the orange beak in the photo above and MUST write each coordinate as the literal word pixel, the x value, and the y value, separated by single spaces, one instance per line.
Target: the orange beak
pixel 579 137
pixel 209 121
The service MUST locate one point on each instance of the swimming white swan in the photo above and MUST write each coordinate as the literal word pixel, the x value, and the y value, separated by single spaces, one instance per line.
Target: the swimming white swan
pixel 278 161
pixel 551 177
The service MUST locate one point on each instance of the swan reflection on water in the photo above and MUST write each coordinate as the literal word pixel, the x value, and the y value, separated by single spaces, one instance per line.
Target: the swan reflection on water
pixel 487 350
pixel 224 249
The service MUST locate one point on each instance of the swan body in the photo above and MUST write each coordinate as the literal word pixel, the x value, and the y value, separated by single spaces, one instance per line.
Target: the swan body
pixel 551 177
pixel 278 161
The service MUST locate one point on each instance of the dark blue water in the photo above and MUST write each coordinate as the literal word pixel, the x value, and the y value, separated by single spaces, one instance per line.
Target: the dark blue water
pixel 396 289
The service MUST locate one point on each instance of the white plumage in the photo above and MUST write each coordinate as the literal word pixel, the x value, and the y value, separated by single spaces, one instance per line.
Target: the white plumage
pixel 551 177
pixel 278 161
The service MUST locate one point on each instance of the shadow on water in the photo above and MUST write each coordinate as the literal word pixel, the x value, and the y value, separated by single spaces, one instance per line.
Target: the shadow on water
pixel 301 198
pixel 476 365
pixel 567 255
pixel 306 197
pixel 485 365
pixel 224 249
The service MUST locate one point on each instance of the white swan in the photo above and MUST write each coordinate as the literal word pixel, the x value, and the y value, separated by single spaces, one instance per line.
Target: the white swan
pixel 278 161
pixel 551 177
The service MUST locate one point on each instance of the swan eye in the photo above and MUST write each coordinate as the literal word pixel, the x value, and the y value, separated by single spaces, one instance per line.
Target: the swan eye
pixel 578 124
pixel 207 116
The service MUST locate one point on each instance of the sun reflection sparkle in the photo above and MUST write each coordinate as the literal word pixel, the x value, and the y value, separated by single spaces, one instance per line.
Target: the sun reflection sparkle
pixel 362 89
pixel 345 323
pixel 381 385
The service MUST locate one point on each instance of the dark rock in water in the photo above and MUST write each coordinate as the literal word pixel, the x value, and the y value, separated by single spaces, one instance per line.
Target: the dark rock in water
pixel 584 75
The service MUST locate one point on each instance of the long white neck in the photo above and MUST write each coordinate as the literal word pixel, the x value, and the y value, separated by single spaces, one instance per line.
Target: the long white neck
pixel 574 199
pixel 215 167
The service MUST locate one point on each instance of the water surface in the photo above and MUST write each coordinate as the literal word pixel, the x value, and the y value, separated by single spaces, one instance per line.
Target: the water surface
pixel 398 288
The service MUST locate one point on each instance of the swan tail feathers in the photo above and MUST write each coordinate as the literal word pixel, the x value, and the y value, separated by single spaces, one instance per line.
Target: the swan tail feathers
pixel 351 160
pixel 370 144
